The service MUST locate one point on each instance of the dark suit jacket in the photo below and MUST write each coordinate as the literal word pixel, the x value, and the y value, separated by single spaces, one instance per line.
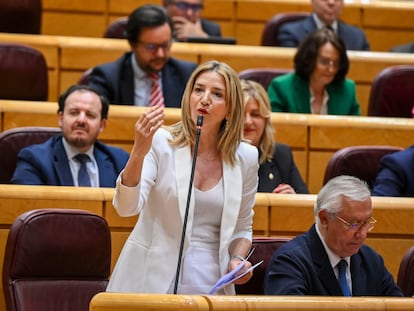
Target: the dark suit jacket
pixel 302 267
pixel 48 164
pixel 211 28
pixel 291 34
pixel 396 175
pixel 115 80
pixel 290 93
pixel 281 169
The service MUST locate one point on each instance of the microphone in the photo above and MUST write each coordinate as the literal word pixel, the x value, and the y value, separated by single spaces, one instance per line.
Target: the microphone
pixel 180 254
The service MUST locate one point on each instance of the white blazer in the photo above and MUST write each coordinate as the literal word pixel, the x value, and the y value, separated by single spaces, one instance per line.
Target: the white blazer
pixel 148 260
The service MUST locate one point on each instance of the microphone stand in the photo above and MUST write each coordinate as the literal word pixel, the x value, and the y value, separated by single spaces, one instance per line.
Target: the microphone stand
pixel 180 254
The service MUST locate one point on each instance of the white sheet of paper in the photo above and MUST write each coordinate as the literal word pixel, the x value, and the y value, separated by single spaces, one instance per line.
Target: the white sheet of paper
pixel 230 277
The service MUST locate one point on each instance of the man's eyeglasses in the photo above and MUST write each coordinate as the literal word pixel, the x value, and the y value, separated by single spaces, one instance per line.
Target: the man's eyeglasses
pixel 357 226
pixel 326 62
pixel 184 6
pixel 153 47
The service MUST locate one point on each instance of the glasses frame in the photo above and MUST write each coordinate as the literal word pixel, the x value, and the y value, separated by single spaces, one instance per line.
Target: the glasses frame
pixel 154 47
pixel 327 62
pixel 357 226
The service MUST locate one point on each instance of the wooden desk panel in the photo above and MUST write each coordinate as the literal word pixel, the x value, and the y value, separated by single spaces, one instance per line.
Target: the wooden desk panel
pixel 238 17
pixel 335 132
pixel 83 53
pixel 81 24
pixel 86 18
pixel 245 57
pixel 125 7
pixel 106 301
pixel 313 138
pixel 69 57
pixel 277 214
pixel 262 10
pixel 75 5
pixel 26 113
pixel 302 303
pixel 17 199
pixel 384 39
pixel 148 302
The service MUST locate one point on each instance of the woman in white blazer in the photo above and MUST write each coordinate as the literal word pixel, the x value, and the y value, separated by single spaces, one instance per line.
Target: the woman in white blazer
pixel 155 185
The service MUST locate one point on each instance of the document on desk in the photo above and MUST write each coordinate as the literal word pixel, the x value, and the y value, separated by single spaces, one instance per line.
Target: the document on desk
pixel 231 276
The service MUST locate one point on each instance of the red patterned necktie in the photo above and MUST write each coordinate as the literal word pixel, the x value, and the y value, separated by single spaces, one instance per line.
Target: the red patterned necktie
pixel 156 97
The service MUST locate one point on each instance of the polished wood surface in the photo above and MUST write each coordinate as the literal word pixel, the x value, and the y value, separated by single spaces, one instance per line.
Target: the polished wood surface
pixel 385 23
pixel 165 302
pixel 148 302
pixel 313 138
pixel 69 57
pixel 275 215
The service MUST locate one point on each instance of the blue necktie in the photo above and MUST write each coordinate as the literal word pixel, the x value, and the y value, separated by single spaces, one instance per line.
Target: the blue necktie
pixel 342 277
pixel 83 176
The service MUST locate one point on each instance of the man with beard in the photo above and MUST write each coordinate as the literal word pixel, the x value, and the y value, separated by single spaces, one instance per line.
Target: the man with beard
pixel 75 157
pixel 331 259
pixel 131 79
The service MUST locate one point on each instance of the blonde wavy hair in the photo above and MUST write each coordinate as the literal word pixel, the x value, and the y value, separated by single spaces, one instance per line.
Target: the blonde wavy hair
pixel 255 91
pixel 231 131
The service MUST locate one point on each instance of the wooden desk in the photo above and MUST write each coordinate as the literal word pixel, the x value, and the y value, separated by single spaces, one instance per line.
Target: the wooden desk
pixel 148 302
pixel 164 302
pixel 386 23
pixel 302 303
pixel 282 215
pixel 69 57
pixel 86 18
pixel 313 138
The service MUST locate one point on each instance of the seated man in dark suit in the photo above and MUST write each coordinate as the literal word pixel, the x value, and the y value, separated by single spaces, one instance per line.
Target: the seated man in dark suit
pixel 187 21
pixel 148 66
pixel 325 14
pixel 76 157
pixel 396 175
pixel 330 259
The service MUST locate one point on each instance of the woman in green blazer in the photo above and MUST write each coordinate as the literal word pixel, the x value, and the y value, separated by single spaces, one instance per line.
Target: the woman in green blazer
pixel 318 84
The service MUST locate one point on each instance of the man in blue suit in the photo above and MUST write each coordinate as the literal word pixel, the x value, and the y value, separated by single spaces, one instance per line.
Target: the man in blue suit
pixel 127 80
pixel 325 14
pixel 330 259
pixel 82 115
pixel 187 20
pixel 396 175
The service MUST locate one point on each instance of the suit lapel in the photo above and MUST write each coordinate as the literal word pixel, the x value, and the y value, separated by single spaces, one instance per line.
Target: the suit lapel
pixel 169 85
pixel 61 164
pixel 104 168
pixel 232 180
pixel 182 156
pixel 323 265
pixel 358 275
pixel 302 94
pixel 309 25
pixel 126 85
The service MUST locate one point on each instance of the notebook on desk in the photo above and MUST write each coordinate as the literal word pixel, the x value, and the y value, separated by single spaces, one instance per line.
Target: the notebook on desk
pixel 216 40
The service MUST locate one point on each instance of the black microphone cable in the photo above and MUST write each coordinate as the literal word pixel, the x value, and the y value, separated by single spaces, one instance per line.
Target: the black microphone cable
pixel 180 254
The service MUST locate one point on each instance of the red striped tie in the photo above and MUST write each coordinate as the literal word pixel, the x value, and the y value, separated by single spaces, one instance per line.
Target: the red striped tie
pixel 156 97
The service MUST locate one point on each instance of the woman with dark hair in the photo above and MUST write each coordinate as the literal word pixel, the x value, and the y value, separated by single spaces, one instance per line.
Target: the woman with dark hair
pixel 319 83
